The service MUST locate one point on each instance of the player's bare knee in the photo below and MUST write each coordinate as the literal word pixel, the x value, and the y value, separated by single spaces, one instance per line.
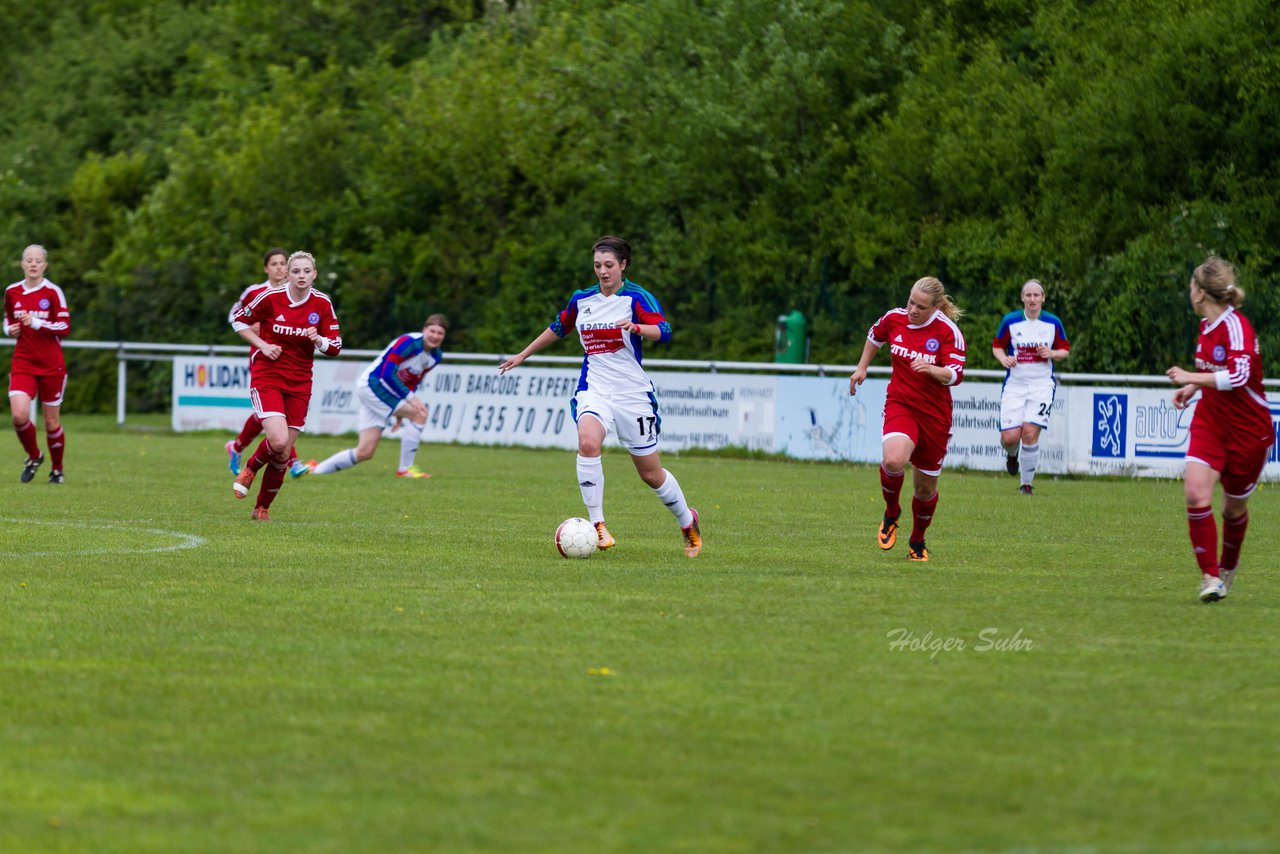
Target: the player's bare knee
pixel 895 464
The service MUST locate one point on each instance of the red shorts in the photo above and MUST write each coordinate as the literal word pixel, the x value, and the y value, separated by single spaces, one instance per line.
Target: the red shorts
pixel 269 402
pixel 1240 468
pixel 49 387
pixel 929 438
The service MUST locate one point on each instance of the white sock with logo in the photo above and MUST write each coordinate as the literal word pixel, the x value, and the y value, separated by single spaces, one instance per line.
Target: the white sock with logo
pixel 1030 459
pixel 410 436
pixel 591 482
pixel 672 495
pixel 339 461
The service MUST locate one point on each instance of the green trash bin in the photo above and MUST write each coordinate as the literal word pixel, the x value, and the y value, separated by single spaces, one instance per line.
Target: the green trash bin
pixel 791 344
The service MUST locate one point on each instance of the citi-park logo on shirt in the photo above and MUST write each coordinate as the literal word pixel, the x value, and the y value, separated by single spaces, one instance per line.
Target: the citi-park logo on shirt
pixel 281 329
pixel 911 355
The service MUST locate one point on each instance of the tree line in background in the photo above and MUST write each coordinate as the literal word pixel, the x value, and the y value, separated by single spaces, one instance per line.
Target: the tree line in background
pixel 761 156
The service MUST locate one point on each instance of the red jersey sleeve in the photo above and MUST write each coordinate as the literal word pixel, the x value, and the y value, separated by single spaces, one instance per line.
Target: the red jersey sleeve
pixel 330 331
pixel 59 322
pixel 953 356
pixel 882 329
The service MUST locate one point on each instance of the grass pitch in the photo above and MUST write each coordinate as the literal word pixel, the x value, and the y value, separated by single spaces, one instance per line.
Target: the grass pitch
pixel 409 666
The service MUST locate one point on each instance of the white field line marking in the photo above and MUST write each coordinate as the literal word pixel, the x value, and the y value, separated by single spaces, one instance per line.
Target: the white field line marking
pixel 184 541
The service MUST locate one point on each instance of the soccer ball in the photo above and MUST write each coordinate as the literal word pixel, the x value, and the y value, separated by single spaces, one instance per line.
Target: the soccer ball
pixel 576 537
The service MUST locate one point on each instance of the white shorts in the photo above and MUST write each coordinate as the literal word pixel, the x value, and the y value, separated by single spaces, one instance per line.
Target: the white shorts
pixel 1024 404
pixel 374 412
pixel 632 417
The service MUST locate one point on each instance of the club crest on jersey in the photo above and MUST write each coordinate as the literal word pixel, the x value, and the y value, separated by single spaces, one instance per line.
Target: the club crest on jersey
pixel 313 318
pixel 932 345
pixel 44 302
pixel 1219 353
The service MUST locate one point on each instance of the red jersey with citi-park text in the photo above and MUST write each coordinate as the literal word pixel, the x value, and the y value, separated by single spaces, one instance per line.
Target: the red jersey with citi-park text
pixel 39 349
pixel 939 341
pixel 285 323
pixel 1237 415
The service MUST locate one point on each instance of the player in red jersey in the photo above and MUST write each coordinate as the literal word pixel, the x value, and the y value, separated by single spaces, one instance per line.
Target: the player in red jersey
pixel 927 351
pixel 1231 430
pixel 35 312
pixel 296 322
pixel 275 263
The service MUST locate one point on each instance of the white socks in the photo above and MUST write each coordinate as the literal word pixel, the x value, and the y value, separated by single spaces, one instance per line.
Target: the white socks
pixel 591 482
pixel 672 495
pixel 1030 459
pixel 339 461
pixel 410 437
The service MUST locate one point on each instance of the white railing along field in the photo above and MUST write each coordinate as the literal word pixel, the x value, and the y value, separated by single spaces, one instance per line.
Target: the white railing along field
pixel 140 351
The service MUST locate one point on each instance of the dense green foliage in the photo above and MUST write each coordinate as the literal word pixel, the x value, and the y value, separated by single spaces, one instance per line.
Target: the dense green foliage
pixel 395 665
pixel 761 155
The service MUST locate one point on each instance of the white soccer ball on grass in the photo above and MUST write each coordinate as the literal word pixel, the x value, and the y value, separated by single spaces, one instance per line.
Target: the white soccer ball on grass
pixel 576 538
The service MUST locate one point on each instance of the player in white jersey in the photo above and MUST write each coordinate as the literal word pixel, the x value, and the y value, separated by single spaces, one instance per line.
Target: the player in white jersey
pixel 385 390
pixel 1027 343
pixel 613 319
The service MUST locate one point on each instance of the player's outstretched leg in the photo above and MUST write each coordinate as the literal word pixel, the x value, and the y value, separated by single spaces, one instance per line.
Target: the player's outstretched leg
pixel 344 459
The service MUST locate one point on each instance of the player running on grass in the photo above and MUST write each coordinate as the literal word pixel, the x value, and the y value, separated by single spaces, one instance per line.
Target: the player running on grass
pixel 928 353
pixel 1231 430
pixel 296 322
pixel 36 313
pixel 1027 343
pixel 613 319
pixel 385 390
pixel 275 264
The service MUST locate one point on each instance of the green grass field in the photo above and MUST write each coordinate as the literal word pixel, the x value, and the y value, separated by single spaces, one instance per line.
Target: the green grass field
pixel 409 666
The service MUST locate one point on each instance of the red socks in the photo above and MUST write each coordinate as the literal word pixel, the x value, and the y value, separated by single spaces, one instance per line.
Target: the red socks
pixel 57 444
pixel 1204 538
pixel 272 478
pixel 1232 539
pixel 921 516
pixel 891 486
pixel 27 436
pixel 260 456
